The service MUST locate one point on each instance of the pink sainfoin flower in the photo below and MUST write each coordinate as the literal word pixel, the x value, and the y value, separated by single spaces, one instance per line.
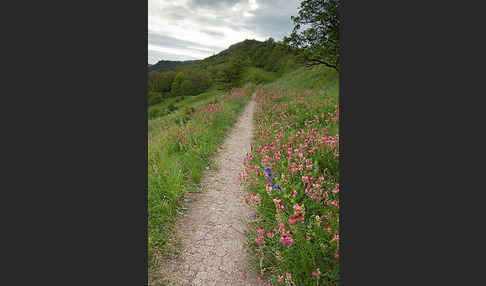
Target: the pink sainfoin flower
pixel 336 256
pixel 255 197
pixel 278 204
pixel 293 193
pixel 258 240
pixel 286 238
pixel 279 278
pixel 335 237
pixel 298 215
pixel 270 233
pixel 298 208
pixel 336 189
pixel 261 230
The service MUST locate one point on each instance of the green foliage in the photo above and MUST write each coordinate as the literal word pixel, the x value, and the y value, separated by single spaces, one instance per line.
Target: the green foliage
pixel 227 69
pixel 257 76
pixel 176 88
pixel 155 111
pixel 317 78
pixel 190 82
pixel 160 82
pixel 163 66
pixel 154 97
pixel 316 32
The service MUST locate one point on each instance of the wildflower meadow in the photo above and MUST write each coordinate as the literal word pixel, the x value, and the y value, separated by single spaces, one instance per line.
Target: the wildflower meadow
pixel 292 178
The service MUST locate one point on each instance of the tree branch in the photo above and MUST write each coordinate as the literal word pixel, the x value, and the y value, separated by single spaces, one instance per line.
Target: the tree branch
pixel 310 62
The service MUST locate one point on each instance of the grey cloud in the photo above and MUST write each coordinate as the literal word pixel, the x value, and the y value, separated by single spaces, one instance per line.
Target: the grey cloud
pixel 271 19
pixel 213 33
pixel 214 3
pixel 165 41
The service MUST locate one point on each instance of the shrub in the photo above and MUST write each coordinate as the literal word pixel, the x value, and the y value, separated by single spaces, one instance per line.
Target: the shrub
pixel 155 111
pixel 154 98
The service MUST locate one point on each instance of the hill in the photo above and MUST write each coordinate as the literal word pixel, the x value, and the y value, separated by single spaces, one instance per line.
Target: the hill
pixel 162 65
pixel 249 61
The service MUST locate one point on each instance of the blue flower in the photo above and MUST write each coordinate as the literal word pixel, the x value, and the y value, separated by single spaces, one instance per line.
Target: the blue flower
pixel 269 178
pixel 276 174
pixel 267 170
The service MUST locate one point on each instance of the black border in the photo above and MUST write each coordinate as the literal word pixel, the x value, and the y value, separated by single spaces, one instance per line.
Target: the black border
pixel 81 139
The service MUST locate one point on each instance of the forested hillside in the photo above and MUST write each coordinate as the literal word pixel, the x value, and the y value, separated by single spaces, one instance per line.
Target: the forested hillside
pixel 247 61
pixel 162 65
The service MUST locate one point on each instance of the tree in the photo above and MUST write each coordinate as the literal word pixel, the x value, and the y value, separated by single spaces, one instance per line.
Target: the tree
pixel 153 80
pixel 176 89
pixel 316 32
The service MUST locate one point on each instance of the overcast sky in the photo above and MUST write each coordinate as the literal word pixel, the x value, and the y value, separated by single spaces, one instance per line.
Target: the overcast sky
pixel 195 29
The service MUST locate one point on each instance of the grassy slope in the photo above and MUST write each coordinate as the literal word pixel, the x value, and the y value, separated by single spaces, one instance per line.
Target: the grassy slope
pixel 183 102
pixel 179 152
pixel 310 79
pixel 249 75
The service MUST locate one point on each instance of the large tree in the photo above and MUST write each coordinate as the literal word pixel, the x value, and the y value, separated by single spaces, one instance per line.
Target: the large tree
pixel 316 32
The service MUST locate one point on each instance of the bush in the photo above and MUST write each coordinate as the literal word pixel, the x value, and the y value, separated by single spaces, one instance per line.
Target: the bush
pixel 154 98
pixel 156 111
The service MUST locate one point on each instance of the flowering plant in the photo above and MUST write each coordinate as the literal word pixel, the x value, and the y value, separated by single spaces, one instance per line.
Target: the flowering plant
pixel 293 169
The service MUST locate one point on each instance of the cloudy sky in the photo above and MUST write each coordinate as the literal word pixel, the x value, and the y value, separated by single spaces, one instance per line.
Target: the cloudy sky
pixel 195 29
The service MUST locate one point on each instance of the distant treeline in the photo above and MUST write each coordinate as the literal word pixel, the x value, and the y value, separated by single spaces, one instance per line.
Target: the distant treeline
pixel 247 61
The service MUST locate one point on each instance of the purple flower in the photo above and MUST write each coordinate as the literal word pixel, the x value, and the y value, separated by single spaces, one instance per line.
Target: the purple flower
pixel 269 178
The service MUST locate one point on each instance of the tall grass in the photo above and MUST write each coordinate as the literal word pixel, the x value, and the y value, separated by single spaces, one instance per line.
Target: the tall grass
pixel 179 149
pixel 292 176
pixel 173 104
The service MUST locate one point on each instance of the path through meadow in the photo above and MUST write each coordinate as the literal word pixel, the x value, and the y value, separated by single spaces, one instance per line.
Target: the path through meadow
pixel 211 231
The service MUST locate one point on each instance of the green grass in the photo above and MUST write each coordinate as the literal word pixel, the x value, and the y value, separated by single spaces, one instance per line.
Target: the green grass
pixel 180 146
pixel 257 76
pixel 182 105
pixel 171 105
pixel 317 78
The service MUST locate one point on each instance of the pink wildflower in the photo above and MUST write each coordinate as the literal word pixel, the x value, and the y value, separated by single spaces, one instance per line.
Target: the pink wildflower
pixel 336 189
pixel 298 208
pixel 261 230
pixel 270 233
pixel 258 239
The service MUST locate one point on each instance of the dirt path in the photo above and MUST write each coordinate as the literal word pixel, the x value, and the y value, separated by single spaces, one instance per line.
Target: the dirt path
pixel 211 231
